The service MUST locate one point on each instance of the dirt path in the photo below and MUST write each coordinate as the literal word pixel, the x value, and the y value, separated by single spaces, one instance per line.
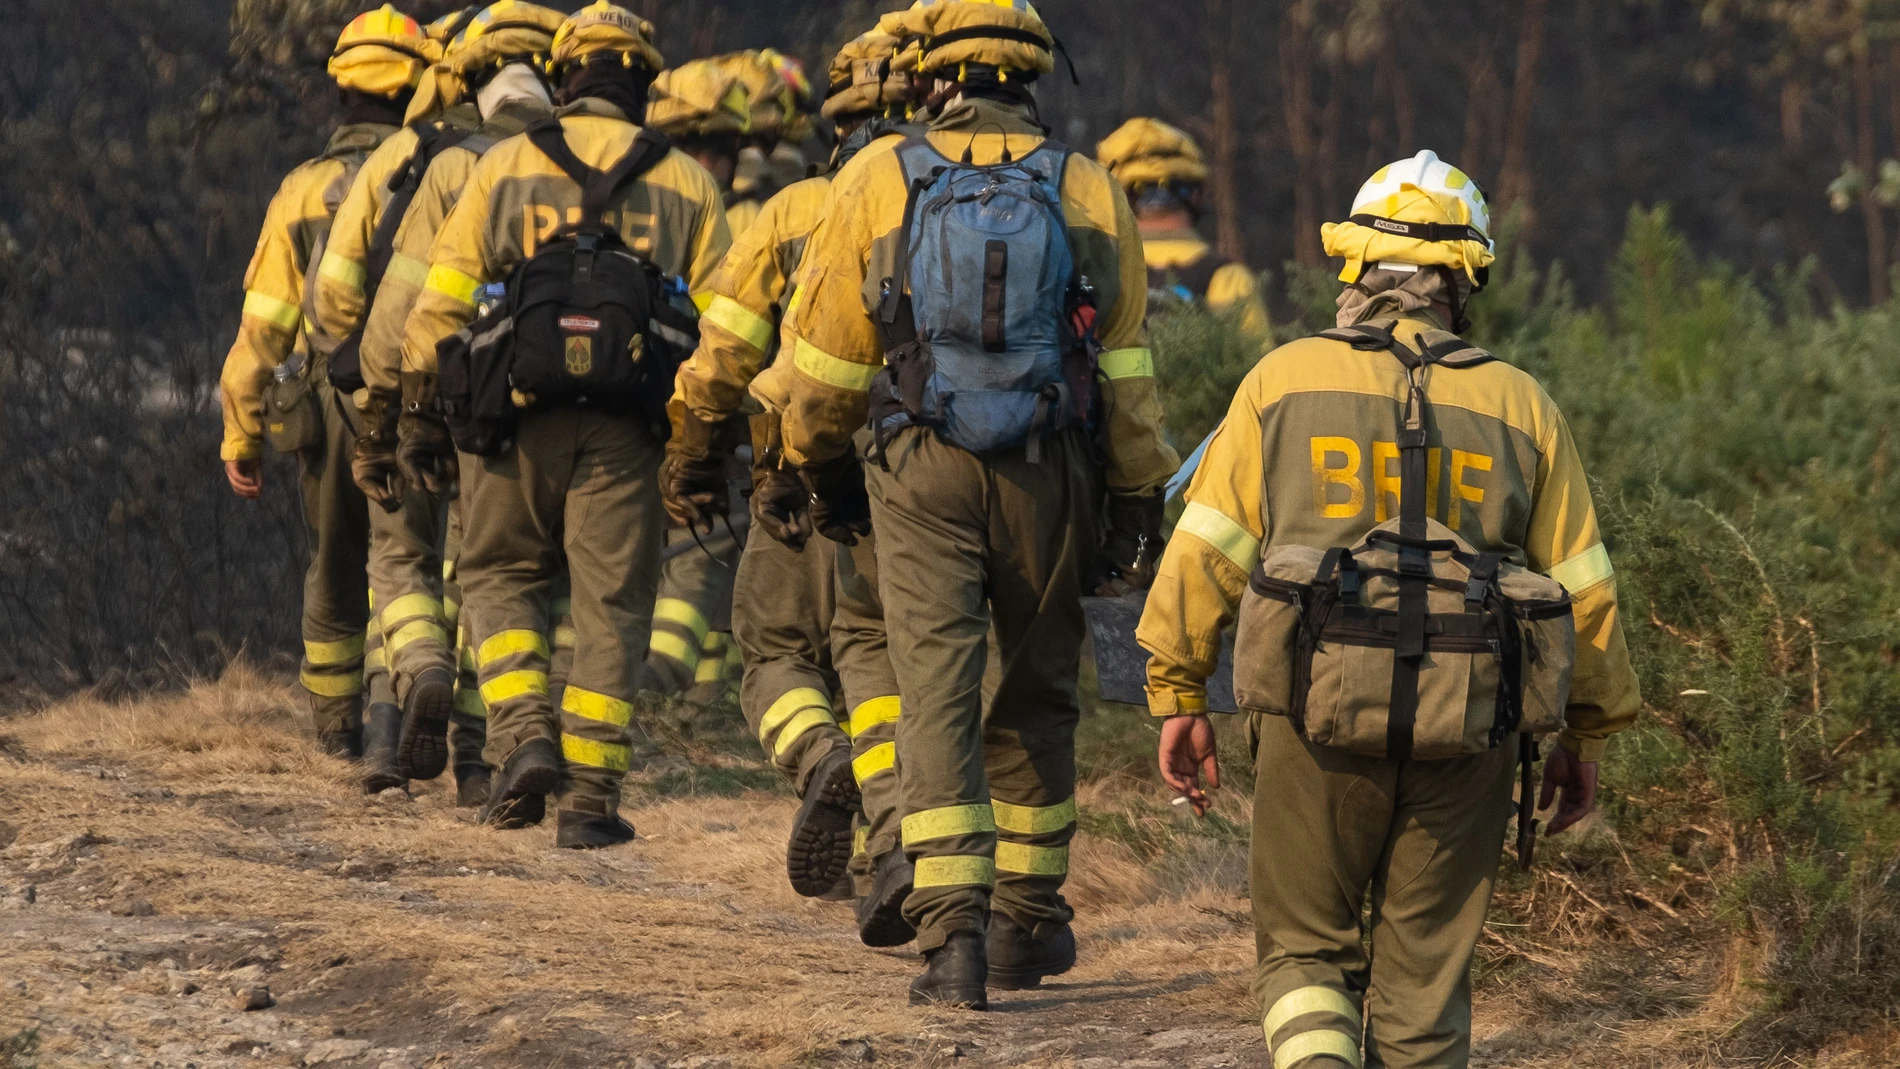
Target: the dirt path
pixel 165 865
pixel 149 891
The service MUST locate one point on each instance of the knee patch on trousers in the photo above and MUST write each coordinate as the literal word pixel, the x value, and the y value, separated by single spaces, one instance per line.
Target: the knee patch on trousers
pixel 1314 1022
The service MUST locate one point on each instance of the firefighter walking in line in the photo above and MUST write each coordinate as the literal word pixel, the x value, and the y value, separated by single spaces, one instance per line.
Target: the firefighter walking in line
pixel 704 108
pixel 800 640
pixel 490 87
pixel 572 477
pixel 986 507
pixel 1305 458
pixel 275 383
pixel 1163 171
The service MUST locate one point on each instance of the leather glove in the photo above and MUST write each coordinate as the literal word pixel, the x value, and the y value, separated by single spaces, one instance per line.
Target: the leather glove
pixel 840 508
pixel 1132 546
pixel 425 453
pixel 373 465
pixel 693 475
pixel 781 504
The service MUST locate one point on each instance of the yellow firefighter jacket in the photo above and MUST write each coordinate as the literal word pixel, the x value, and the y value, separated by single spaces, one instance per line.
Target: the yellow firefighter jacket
pixel 518 197
pixel 1308 455
pixel 834 347
pixel 738 330
pixel 408 269
pixel 1177 253
pixel 272 325
pixel 338 301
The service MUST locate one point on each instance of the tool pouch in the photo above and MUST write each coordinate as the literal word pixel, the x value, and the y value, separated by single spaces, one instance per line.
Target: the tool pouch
pixel 292 420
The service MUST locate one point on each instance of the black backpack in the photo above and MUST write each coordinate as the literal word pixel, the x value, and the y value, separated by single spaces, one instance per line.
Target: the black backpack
pixel 432 139
pixel 585 321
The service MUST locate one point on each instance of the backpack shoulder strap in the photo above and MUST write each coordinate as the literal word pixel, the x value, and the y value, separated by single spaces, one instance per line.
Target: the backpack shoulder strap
pixel 597 187
pixel 1363 336
pixel 1444 347
pixel 896 296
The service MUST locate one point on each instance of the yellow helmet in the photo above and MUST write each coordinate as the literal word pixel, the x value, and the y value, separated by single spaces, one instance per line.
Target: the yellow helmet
pixel 445 29
pixel 1148 152
pixel 1419 211
pixel 1007 34
pixel 602 28
pixel 382 53
pixel 860 78
pixel 772 99
pixel 702 98
pixel 505 31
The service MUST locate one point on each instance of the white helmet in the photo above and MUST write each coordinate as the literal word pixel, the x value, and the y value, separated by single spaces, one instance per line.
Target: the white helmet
pixel 1417 211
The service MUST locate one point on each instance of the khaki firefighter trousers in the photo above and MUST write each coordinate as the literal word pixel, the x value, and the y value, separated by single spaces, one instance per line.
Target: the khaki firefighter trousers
pixel 585 484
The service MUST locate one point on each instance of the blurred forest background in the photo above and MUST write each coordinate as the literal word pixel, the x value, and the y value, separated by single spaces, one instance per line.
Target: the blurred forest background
pixel 1701 205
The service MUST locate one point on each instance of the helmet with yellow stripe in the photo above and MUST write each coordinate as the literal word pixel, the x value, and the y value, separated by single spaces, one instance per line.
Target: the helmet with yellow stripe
pixel 605 31
pixel 446 28
pixel 507 31
pixel 1420 211
pixel 382 53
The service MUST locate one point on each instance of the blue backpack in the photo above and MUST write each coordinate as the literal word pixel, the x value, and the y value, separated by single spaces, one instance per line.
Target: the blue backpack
pixel 983 329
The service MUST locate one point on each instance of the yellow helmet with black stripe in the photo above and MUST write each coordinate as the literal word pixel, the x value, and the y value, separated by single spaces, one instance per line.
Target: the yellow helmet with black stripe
pixel 605 29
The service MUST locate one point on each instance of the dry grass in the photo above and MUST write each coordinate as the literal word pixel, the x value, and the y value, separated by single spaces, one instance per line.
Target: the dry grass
pixel 200 839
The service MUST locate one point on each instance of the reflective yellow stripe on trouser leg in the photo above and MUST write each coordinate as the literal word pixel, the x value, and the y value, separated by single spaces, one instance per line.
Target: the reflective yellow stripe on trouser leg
pixel 594 729
pixel 791 716
pixel 962 869
pixel 333 669
pixel 873 731
pixel 1034 840
pixel 1312 1021
pixel 679 632
pixel 712 657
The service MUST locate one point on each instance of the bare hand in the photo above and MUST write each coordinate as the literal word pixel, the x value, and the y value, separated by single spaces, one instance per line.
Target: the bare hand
pixel 1189 755
pixel 246 477
pixel 1577 779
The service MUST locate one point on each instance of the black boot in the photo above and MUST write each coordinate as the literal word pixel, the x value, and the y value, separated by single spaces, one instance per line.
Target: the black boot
pixel 881 920
pixel 425 723
pixel 518 799
pixel 820 847
pixel 953 974
pixel 345 743
pixel 590 831
pixel 382 731
pixel 471 785
pixel 1019 960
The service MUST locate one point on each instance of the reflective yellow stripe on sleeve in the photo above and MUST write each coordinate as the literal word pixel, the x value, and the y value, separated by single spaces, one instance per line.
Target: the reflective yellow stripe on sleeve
pixel 1032 860
pixel 612 756
pixel 407 269
pixel 592 705
pixel 703 300
pixel 879 758
pixel 1128 364
pixel 739 321
pixel 830 370
pixel 268 308
pixel 452 284
pixel 1222 532
pixel 927 824
pixel 343 270
pixel 1584 570
pixel 509 643
pixel 1033 820
pixel 875 711
pixel 954 871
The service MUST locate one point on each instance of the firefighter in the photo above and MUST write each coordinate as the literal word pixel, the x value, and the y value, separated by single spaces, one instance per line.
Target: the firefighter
pixel 378 62
pixel 573 478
